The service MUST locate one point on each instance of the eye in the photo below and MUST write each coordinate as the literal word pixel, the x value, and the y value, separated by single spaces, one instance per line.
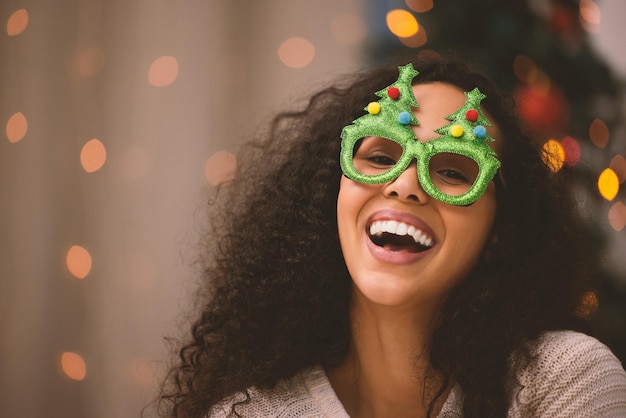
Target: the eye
pixel 381 159
pixel 453 176
pixel 375 155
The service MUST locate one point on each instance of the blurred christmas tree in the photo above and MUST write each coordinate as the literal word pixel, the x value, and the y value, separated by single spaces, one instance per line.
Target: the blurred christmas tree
pixel 540 50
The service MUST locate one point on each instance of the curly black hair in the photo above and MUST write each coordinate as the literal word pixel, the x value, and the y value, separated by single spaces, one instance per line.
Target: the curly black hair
pixel 276 296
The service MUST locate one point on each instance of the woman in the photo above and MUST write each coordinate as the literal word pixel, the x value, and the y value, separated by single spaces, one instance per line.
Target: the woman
pixel 412 276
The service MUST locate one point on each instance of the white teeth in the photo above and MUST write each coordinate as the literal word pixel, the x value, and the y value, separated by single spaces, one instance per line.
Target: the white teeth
pixel 400 228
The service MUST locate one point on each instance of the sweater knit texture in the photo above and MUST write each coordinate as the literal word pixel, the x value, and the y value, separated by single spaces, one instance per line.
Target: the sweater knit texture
pixel 570 375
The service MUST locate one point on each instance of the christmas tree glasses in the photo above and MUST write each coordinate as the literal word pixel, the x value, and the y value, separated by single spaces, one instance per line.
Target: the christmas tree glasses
pixel 455 168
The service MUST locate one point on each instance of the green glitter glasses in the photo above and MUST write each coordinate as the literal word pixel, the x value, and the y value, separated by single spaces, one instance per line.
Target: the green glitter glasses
pixel 455 168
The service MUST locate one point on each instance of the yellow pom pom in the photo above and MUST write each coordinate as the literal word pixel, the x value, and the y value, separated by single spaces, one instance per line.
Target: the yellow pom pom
pixel 373 108
pixel 456 130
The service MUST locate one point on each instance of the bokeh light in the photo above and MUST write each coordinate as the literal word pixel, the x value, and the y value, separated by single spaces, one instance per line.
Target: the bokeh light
pixel 553 155
pixel 163 71
pixel 571 148
pixel 524 68
pixel 296 52
pixel 73 366
pixel 420 6
pixel 78 261
pixel 599 133
pixel 617 216
pixel 17 126
pixel 618 165
pixel 143 372
pixel 93 155
pixel 220 168
pixel 402 23
pixel 348 29
pixel 17 23
pixel 588 304
pixel 608 184
pixel 417 40
pixel 590 16
pixel 90 62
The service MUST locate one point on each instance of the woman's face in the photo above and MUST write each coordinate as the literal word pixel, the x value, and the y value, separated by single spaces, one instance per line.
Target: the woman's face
pixel 390 268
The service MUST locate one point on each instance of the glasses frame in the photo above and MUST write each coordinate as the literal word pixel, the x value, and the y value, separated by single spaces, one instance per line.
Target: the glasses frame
pixel 422 152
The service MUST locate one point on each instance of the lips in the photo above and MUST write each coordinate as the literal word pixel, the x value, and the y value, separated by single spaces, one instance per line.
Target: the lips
pixel 398 237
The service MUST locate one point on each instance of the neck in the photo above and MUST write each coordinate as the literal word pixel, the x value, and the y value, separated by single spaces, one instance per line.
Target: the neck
pixel 385 372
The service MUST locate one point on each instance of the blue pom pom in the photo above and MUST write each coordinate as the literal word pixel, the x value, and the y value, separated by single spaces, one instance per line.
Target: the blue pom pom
pixel 480 131
pixel 404 118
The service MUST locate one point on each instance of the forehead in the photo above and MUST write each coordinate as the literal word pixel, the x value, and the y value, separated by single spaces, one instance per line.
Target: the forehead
pixel 436 101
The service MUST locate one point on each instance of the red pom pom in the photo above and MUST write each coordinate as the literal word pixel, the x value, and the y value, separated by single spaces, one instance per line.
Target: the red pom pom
pixel 472 115
pixel 393 93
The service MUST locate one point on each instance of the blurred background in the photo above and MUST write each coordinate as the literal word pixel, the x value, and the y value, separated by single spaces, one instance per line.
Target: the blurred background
pixel 119 115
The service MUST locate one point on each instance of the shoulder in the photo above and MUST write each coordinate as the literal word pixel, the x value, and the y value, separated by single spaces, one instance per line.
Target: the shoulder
pixel 571 374
pixel 307 394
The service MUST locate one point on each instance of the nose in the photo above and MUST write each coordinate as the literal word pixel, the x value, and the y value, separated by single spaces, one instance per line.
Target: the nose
pixel 406 186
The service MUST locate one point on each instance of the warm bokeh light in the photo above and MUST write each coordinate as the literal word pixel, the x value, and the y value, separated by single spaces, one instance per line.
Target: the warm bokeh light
pixel 348 29
pixel 608 184
pixel 73 366
pixel 618 165
pixel 402 23
pixel 420 6
pixel 599 133
pixel 525 69
pixel 296 52
pixel 220 168
pixel 163 71
pixel 93 155
pixel 590 16
pixel 588 304
pixel 143 372
pixel 78 261
pixel 17 126
pixel 571 148
pixel 18 21
pixel 553 155
pixel 415 41
pixel 617 216
pixel 90 62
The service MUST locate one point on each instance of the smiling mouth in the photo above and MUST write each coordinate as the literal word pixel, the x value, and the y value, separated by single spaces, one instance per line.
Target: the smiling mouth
pixel 397 236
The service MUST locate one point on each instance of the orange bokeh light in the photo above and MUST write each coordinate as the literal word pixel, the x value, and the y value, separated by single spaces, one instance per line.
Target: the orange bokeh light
pixel 93 155
pixel 415 41
pixel 608 184
pixel 17 23
pixel 296 52
pixel 524 68
pixel 73 365
pixel 163 71
pixel 402 23
pixel 599 133
pixel 588 304
pixel 78 261
pixel 553 155
pixel 17 126
pixel 617 216
pixel 618 164
pixel 90 62
pixel 420 6
pixel 220 168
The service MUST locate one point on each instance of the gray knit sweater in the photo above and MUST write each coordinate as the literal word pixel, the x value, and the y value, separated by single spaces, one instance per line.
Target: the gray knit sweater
pixel 571 375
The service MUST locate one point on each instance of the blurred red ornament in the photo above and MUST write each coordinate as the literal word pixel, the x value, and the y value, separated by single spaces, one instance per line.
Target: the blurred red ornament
pixel 562 19
pixel 545 110
pixel 572 150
